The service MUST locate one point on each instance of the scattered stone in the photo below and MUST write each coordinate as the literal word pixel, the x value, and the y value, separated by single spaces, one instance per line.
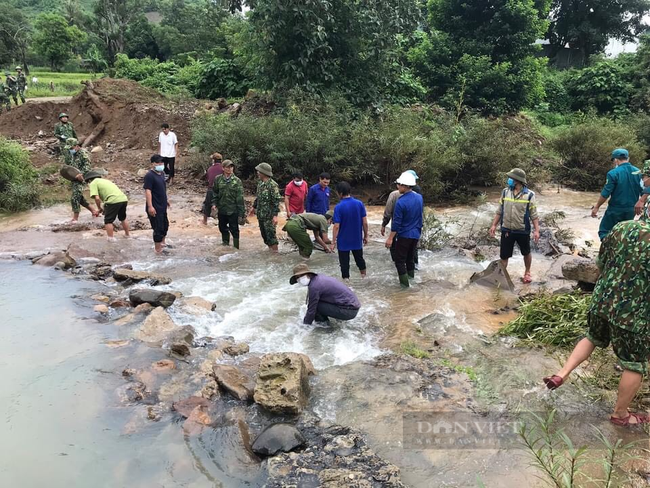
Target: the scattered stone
pixel 142 173
pixel 121 303
pixel 152 414
pixel 210 390
pixel 197 421
pixel 221 103
pixel 101 298
pixel 163 366
pixel 128 372
pixel 123 274
pixel 143 308
pixel 196 305
pixel 581 270
pixel 179 349
pixel 132 392
pixel 156 298
pixel 100 271
pixel 236 349
pixel 234 109
pixel 234 381
pixel 184 334
pixel 186 406
pixel 127 319
pixel 97 149
pixel 282 383
pixel 156 326
pixel 103 309
pixel 54 259
pixel 278 438
pixel 116 344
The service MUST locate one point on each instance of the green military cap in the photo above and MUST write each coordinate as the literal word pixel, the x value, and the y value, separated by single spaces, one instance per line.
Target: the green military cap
pixel 18 68
pixel 518 174
pixel 329 214
pixel 62 114
pixel 227 163
pixel 71 142
pixel 646 169
pixel 265 169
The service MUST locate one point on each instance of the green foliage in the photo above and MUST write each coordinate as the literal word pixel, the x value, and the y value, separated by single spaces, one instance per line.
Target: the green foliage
pixel 481 54
pixel 410 348
pixel 15 35
pixel 167 77
pixel 111 22
pixel 55 40
pixel 585 150
pixel 601 88
pixel 434 233
pixel 552 320
pixel 221 78
pixel 18 179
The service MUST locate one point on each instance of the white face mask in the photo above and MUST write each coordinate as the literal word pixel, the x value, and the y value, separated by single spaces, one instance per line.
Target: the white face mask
pixel 304 280
pixel 160 168
pixel 298 183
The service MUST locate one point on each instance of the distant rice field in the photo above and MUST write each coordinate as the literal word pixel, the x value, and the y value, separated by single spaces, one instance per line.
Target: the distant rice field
pixel 63 84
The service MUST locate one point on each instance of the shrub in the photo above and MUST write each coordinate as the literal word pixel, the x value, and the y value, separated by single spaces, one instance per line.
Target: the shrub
pixel 221 78
pixel 585 150
pixel 601 87
pixel 18 179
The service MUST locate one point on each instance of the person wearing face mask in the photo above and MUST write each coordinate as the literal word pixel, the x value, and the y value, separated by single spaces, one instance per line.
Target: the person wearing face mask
pixel 155 190
pixel 622 189
pixel 80 159
pixel 516 212
pixel 641 208
pixel 295 194
pixel 327 297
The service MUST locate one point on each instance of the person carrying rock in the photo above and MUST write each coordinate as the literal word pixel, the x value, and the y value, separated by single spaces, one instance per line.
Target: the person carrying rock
pixel 620 315
pixel 64 130
pixel 80 159
pixel 21 83
pixel 12 83
pixel 350 232
pixel 406 228
pixel 167 148
pixel 4 97
pixel 267 205
pixel 516 212
pixel 642 208
pixel 623 190
pixel 298 225
pixel 115 202
pixel 155 190
pixel 212 172
pixel 327 297
pixel 228 201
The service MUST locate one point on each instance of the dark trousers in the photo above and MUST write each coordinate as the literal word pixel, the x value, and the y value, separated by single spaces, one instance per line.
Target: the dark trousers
pixel 403 253
pixel 326 310
pixel 228 224
pixel 160 226
pixel 392 252
pixel 169 166
pixel 207 203
pixel 344 261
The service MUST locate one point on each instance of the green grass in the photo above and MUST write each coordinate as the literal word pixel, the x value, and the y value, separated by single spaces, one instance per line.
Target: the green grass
pixel 65 84
pixel 412 349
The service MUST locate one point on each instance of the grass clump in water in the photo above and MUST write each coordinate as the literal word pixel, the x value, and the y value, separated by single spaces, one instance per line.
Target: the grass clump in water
pixel 412 349
pixel 18 178
pixel 552 320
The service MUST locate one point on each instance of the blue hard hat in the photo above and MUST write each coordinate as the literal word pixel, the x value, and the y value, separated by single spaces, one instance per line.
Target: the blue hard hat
pixel 410 171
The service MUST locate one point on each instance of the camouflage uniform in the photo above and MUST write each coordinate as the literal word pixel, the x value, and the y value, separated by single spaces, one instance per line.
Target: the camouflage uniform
pixel 645 215
pixel 228 197
pixel 4 97
pixel 81 161
pixel 22 83
pixel 267 207
pixel 63 132
pixel 620 306
pixel 12 83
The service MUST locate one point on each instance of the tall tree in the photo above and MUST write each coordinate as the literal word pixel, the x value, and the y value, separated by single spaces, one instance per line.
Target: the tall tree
pixel 55 39
pixel 588 25
pixel 112 18
pixel 15 36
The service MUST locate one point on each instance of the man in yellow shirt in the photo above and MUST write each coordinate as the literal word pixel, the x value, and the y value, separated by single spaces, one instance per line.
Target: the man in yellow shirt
pixel 115 202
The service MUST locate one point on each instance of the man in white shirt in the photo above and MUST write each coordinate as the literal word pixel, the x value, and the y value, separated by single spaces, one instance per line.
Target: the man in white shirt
pixel 167 146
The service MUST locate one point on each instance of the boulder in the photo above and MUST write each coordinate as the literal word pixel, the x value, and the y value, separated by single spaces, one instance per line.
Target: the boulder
pixel 120 303
pixel 582 270
pixel 97 149
pixel 100 271
pixel 179 349
pixel 186 406
pixel 143 308
pixel 196 305
pixel 103 309
pixel 181 335
pixel 164 365
pixel 123 274
pixel 234 381
pixel 236 349
pixel 282 383
pixel 56 258
pixel 278 438
pixel 156 298
pixel 101 298
pixel 156 326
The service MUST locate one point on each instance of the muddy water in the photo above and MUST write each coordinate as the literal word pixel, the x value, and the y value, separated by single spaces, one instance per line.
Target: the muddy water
pixel 83 431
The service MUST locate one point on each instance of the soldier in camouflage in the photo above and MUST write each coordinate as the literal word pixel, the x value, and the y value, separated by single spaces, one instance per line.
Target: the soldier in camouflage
pixel 642 207
pixel 64 130
pixel 267 205
pixel 4 97
pixel 80 159
pixel 620 315
pixel 12 83
pixel 228 200
pixel 21 83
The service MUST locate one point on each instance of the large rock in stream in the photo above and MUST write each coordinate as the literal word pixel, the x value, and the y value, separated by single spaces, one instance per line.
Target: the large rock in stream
pixel 582 270
pixel 156 298
pixel 131 276
pixel 156 326
pixel 235 381
pixel 278 438
pixel 282 382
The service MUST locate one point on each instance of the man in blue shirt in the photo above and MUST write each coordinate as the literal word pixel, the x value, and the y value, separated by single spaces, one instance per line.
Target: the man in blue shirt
pixel 406 228
pixel 623 188
pixel 350 232
pixel 318 198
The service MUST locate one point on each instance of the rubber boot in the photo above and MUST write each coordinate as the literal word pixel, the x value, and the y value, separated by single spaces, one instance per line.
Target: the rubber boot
pixel 404 280
pixel 235 243
pixel 225 241
pixel 411 274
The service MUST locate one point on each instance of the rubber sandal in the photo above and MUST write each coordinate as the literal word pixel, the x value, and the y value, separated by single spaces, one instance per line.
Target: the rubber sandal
pixel 527 278
pixel 553 382
pixel 625 422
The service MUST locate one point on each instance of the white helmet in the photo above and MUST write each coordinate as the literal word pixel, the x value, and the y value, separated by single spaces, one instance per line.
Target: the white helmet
pixel 407 179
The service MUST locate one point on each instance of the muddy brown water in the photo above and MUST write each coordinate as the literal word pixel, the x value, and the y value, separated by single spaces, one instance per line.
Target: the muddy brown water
pixel 63 397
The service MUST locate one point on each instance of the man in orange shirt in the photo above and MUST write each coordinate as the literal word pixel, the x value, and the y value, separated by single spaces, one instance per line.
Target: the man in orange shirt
pixel 295 195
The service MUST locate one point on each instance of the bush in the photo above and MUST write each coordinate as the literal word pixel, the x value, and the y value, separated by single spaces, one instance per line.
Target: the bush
pixel 18 179
pixel 601 87
pixel 585 150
